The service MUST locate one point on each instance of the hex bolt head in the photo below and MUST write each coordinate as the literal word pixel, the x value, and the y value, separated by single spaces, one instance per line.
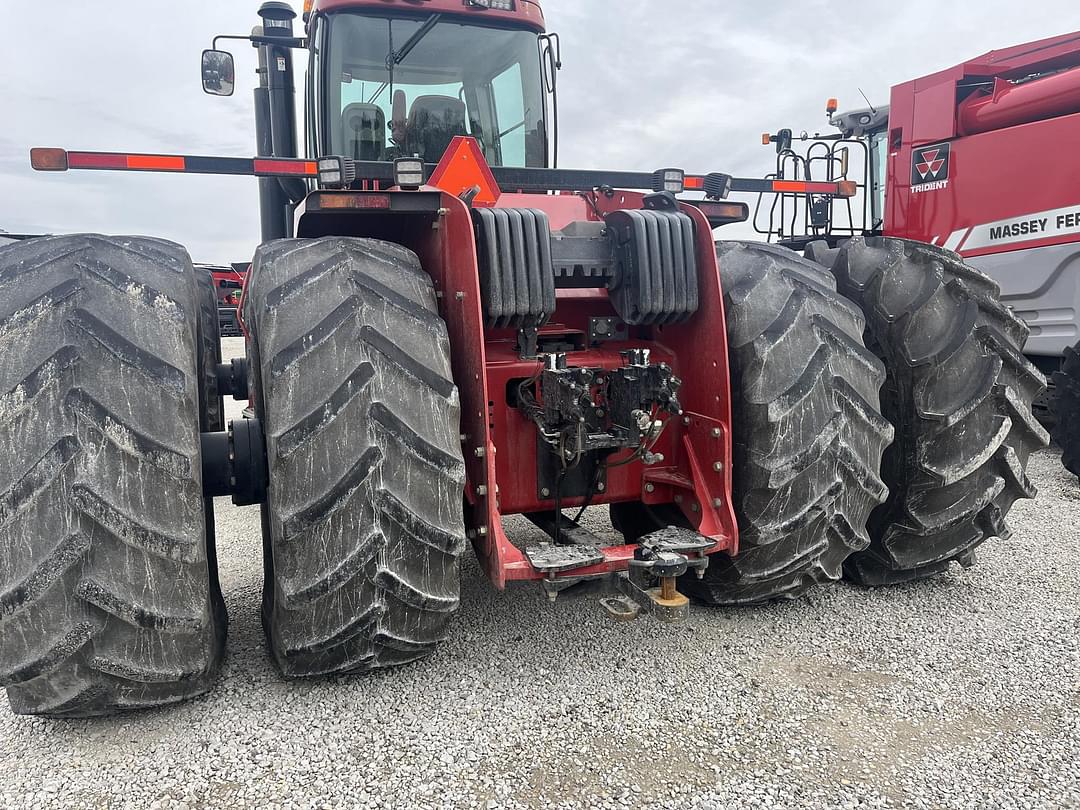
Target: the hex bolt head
pixel 718 466
pixel 716 433
pixel 650 488
pixel 717 503
pixel 479 452
pixel 686 421
pixel 481 490
pixel 694 507
pixel 545 493
pixel 601 486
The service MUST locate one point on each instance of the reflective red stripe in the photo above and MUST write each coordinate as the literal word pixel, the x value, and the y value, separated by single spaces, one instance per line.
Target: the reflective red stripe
pixel 797 187
pixel 301 168
pixel 156 163
pixel 96 160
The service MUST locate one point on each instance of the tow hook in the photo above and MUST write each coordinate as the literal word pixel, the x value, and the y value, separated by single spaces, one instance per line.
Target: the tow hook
pixel 651 582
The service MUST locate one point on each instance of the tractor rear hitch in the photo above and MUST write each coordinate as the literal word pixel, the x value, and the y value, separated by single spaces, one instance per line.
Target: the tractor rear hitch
pixel 650 584
pixel 234 462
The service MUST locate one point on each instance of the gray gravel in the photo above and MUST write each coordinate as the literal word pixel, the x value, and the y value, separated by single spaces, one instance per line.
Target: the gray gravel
pixel 961 692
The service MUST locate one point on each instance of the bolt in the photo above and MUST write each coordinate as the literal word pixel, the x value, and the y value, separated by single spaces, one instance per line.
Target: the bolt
pixel 717 503
pixel 716 433
pixel 482 531
pixel 545 493
pixel 479 452
pixel 650 488
pixel 444 212
pixel 464 437
pixel 481 490
pixel 718 466
pixel 678 499
pixel 686 421
pixel 460 295
pixel 600 487
pixel 694 507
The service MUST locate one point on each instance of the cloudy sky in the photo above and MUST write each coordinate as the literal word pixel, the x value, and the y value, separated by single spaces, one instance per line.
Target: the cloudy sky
pixel 645 83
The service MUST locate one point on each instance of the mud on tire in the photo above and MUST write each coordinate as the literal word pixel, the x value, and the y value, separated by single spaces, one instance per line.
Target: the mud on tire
pixel 808 432
pixel 959 393
pixel 108 589
pixel 363 525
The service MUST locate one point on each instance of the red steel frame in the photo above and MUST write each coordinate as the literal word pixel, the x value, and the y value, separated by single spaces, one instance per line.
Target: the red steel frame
pixel 500 445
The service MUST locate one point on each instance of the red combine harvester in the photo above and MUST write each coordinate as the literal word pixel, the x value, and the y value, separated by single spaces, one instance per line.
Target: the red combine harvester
pixel 443 329
pixel 974 159
pixel 228 284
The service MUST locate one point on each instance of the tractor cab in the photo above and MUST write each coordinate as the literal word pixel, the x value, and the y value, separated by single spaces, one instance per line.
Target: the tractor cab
pixel 389 79
pixel 387 86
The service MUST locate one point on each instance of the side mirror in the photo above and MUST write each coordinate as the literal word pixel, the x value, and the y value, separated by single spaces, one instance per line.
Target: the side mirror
pixel 218 73
pixel 844 156
pixel 783 141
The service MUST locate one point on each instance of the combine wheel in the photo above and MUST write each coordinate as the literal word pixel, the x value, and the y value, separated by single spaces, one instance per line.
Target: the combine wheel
pixel 959 393
pixel 363 524
pixel 1066 406
pixel 807 428
pixel 108 587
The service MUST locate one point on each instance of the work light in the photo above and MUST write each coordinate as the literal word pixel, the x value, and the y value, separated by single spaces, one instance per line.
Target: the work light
pixel 673 180
pixel 409 173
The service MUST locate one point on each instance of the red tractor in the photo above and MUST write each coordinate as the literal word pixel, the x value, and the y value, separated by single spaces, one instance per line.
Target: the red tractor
pixel 444 329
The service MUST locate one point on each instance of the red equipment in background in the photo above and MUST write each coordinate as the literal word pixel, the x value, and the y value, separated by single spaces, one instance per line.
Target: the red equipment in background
pixel 978 158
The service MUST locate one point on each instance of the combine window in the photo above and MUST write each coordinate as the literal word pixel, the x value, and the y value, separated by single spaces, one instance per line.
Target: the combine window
pixel 455 79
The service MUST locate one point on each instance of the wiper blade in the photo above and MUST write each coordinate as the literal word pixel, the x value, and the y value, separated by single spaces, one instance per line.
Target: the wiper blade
pixel 396 57
pixel 399 56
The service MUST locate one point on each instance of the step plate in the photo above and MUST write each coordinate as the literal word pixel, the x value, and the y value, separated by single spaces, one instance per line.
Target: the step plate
pixel 551 559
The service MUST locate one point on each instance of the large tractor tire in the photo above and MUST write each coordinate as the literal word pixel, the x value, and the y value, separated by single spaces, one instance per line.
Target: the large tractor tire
pixel 363 524
pixel 108 592
pixel 808 433
pixel 959 394
pixel 1066 407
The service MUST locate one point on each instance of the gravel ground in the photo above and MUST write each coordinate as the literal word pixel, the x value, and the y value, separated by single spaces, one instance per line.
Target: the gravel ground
pixel 961 692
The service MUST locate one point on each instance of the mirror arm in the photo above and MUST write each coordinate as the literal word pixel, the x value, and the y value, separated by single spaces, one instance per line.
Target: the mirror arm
pixel 284 42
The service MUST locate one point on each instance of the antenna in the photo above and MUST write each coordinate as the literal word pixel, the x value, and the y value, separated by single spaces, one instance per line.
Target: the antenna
pixel 873 109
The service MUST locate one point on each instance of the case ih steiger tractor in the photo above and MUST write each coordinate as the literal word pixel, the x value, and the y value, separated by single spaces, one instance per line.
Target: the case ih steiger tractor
pixel 970 159
pixel 443 329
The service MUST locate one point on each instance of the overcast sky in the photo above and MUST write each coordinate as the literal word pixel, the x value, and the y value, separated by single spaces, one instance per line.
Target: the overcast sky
pixel 645 84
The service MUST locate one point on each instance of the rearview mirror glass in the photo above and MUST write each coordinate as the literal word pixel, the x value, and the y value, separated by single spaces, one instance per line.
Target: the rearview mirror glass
pixel 218 73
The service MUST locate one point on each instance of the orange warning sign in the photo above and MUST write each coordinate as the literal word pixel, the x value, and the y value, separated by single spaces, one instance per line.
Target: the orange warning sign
pixel 463 167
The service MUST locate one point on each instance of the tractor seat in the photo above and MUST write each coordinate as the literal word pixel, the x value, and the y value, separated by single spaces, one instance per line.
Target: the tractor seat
pixel 365 131
pixel 433 122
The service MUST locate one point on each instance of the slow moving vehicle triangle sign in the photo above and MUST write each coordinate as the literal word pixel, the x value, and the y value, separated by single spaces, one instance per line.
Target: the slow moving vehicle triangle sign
pixel 462 168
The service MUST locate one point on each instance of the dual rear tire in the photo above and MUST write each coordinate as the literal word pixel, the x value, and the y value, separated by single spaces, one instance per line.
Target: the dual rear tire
pixel 109 598
pixel 809 348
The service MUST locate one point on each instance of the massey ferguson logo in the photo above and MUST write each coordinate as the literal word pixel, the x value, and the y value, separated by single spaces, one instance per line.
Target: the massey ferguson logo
pixel 930 168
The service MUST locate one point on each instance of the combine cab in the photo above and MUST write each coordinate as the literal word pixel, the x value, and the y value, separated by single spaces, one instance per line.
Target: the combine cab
pixel 975 159
pixel 443 329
